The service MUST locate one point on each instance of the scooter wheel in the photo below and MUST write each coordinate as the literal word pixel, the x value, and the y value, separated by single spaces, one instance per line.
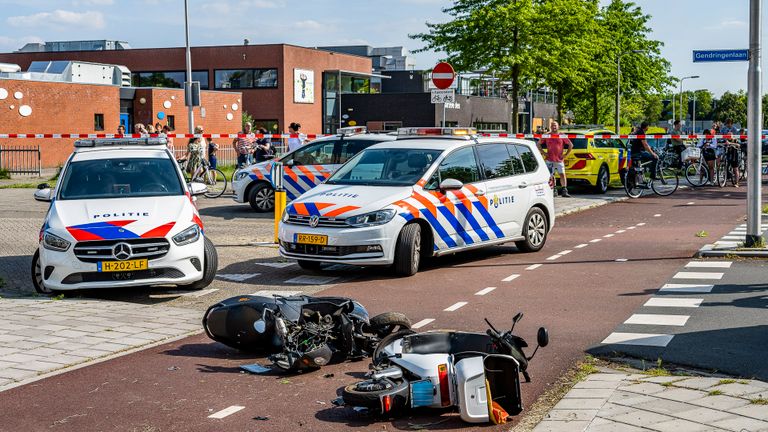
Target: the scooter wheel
pixel 368 393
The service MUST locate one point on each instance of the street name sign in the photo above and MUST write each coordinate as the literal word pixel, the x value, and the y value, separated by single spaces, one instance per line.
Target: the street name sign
pixel 720 55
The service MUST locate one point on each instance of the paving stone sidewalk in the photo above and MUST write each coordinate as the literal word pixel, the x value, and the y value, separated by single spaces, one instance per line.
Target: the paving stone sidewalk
pixel 39 336
pixel 618 401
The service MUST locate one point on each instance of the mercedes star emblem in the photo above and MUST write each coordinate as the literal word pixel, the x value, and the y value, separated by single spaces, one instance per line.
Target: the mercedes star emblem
pixel 314 220
pixel 122 251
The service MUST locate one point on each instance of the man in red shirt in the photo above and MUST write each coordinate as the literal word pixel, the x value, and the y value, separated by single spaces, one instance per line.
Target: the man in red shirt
pixel 555 156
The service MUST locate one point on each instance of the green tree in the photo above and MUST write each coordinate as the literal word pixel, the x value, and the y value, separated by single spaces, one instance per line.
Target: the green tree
pixel 733 106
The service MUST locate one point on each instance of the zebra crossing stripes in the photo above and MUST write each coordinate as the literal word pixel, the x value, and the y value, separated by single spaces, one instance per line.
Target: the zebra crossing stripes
pixel 672 288
pixel 658 320
pixel 698 275
pixel 709 264
pixel 644 339
pixel 673 302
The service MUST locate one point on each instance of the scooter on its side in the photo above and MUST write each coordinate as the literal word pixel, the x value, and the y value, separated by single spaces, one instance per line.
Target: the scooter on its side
pixel 477 372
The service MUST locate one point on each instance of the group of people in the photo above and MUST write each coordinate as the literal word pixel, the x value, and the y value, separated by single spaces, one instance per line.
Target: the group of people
pixel 252 149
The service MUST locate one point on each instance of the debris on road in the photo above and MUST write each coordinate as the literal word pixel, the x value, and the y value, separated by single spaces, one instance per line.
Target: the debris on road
pixel 261 418
pixel 174 368
pixel 328 375
pixel 255 368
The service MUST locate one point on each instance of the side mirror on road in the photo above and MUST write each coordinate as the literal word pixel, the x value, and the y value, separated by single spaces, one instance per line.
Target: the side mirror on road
pixel 44 195
pixel 196 188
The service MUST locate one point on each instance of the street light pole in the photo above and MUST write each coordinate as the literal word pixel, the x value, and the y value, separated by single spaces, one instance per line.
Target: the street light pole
pixel 681 94
pixel 754 122
pixel 188 90
pixel 618 86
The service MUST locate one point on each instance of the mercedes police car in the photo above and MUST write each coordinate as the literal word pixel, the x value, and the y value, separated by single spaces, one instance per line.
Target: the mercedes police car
pixel 303 169
pixel 121 216
pixel 431 192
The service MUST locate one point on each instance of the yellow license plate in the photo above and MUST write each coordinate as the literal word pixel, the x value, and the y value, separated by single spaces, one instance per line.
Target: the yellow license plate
pixel 313 239
pixel 118 266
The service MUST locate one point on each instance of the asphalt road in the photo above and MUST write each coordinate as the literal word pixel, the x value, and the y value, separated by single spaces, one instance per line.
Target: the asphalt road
pixel 581 296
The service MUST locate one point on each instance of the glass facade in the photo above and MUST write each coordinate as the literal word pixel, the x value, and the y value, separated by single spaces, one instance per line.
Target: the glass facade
pixel 245 78
pixel 169 79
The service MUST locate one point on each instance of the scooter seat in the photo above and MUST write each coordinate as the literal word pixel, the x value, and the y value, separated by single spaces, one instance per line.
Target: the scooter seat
pixel 446 342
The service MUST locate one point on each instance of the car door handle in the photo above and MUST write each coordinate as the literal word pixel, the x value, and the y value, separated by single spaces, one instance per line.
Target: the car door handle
pixel 480 193
pixel 523 185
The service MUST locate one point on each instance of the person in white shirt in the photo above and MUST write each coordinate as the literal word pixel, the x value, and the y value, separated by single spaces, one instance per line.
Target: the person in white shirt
pixel 294 143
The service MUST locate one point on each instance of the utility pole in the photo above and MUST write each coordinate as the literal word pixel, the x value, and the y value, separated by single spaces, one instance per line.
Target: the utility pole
pixel 755 122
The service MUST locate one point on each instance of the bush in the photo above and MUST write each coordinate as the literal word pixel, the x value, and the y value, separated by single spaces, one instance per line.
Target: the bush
pixel 4 174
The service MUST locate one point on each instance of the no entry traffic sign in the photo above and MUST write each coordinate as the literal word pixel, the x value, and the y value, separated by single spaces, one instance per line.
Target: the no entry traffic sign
pixel 443 75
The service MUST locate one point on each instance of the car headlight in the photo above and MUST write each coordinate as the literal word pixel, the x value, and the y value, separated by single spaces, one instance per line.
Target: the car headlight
pixel 55 243
pixel 189 235
pixel 285 215
pixel 370 219
pixel 241 175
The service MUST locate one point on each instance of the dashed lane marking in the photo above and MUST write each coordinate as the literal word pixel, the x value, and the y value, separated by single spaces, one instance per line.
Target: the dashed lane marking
pixel 620 232
pixel 533 267
pixel 631 228
pixel 673 302
pixel 583 245
pixel 595 240
pixel 226 412
pixel 621 260
pixel 658 320
pixel 641 224
pixel 485 291
pixel 709 264
pixel 237 277
pixel 685 289
pixel 275 293
pixel 642 339
pixel 657 215
pixel 455 306
pixel 510 278
pixel 698 275
pixel 422 323
pixel 608 235
pixel 690 203
pixel 554 257
pixel 311 280
pixel 565 252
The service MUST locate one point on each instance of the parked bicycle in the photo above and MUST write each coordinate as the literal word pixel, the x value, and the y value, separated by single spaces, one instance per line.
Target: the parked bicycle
pixel 728 163
pixel 213 178
pixel 639 179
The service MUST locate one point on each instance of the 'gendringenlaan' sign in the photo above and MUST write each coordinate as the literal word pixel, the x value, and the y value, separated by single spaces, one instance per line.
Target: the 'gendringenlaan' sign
pixel 720 55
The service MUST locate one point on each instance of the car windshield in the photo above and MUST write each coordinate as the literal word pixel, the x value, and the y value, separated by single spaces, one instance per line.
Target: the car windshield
pixel 120 178
pixel 385 167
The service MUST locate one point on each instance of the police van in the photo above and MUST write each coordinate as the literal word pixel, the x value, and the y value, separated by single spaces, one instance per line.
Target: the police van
pixel 122 216
pixel 430 192
pixel 303 169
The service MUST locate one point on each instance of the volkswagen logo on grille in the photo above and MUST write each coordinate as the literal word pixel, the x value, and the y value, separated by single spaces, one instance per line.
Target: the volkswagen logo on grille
pixel 122 251
pixel 314 220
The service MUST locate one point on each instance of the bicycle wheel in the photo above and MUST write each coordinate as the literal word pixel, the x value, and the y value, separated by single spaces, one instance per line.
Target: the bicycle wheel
pixel 216 182
pixel 666 181
pixel 696 173
pixel 721 173
pixel 631 187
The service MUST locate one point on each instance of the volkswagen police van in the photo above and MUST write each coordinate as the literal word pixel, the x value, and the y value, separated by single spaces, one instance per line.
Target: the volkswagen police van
pixel 303 169
pixel 122 216
pixel 431 192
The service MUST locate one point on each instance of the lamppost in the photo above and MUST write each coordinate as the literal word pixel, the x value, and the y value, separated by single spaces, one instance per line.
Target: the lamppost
pixel 618 85
pixel 681 93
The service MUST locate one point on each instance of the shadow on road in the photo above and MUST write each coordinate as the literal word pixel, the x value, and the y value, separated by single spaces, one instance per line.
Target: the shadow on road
pixel 235 211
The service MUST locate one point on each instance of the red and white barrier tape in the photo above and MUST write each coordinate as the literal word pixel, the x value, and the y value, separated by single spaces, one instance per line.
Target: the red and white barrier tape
pixel 313 136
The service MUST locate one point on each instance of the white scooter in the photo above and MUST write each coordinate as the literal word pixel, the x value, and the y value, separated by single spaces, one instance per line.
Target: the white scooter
pixel 478 372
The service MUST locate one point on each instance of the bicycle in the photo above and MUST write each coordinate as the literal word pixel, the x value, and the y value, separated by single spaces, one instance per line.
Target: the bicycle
pixel 213 178
pixel 696 170
pixel 638 179
pixel 724 170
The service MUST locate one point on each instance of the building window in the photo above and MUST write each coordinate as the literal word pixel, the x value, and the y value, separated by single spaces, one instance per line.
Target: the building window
pixel 171 122
pixel 98 122
pixel 245 78
pixel 168 79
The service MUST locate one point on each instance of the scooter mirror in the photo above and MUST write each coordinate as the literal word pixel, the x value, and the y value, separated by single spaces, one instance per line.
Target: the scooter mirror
pixel 542 337
pixel 260 326
pixel 517 317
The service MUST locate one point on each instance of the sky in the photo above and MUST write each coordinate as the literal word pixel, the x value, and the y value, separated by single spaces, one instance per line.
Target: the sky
pixel 683 25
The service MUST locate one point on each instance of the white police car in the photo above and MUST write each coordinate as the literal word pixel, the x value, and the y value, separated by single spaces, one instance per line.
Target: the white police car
pixel 121 216
pixel 432 191
pixel 303 169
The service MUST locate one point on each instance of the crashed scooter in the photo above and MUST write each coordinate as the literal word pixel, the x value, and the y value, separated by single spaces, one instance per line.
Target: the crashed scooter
pixel 300 332
pixel 477 372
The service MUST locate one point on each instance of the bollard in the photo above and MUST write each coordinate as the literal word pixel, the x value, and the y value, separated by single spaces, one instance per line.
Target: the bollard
pixel 277 182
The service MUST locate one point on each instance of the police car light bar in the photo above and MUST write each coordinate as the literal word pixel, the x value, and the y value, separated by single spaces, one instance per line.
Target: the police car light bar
pixel 120 142
pixel 437 131
pixel 352 130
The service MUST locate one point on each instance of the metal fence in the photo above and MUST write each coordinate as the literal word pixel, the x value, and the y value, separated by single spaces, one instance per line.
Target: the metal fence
pixel 20 159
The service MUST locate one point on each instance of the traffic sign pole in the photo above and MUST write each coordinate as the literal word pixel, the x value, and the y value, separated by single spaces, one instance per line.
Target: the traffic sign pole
pixel 754 123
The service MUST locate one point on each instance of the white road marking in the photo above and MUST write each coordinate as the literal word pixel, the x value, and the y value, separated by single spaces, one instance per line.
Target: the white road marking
pixel 621 231
pixel 709 264
pixel 642 339
pixel 621 260
pixel 485 291
pixel 657 215
pixel 595 240
pixel 455 306
pixel 673 302
pixel 276 264
pixel 686 288
pixel 237 277
pixel 422 323
pixel 698 275
pixel 733 237
pixel 510 278
pixel 608 235
pixel 641 224
pixel 583 245
pixel 657 319
pixel 311 280
pixel 274 293
pixel 226 412
pixel 565 252
pixel 631 228
pixel 554 257
pixel 533 267
pixel 690 203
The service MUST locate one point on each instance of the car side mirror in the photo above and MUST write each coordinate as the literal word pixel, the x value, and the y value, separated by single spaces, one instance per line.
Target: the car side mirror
pixel 289 163
pixel 44 195
pixel 542 337
pixel 196 188
pixel 43 186
pixel 451 184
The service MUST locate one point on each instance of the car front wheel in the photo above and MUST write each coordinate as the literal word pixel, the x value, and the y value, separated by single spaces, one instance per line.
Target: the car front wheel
pixel 210 265
pixel 534 231
pixel 408 250
pixel 37 275
pixel 262 198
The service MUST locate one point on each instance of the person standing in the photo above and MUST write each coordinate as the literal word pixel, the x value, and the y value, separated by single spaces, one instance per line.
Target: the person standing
pixel 294 143
pixel 121 130
pixel 212 159
pixel 557 150
pixel 243 146
pixel 169 140
pixel 677 143
pixel 139 128
pixel 731 149
pixel 263 147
